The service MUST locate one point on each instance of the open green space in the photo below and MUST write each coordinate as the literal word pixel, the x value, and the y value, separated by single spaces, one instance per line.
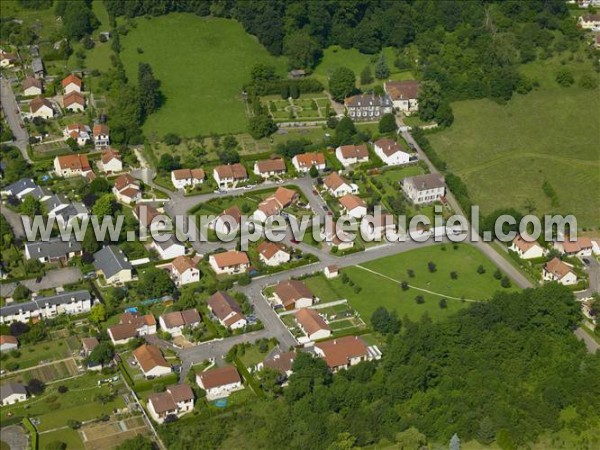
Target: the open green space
pixel 42 20
pixel 66 435
pixel 335 56
pixel 34 354
pixel 202 64
pixel 380 291
pixel 81 402
pixel 505 153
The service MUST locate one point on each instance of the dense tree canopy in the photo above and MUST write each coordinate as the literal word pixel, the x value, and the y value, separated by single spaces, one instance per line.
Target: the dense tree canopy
pixel 497 371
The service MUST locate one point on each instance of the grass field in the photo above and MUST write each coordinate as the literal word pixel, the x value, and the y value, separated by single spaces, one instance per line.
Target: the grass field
pixel 43 20
pixel 108 435
pixel 380 291
pixel 506 153
pixel 66 435
pixel 99 56
pixel 336 56
pixel 79 403
pixel 202 64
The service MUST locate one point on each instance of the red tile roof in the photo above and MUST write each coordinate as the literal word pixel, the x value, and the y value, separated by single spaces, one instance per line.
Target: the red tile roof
pixel 74 162
pixel 219 377
pixel 71 79
pixel 339 351
pixel 311 321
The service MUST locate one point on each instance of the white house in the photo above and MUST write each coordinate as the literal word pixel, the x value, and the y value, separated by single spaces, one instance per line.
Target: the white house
pixel 71 84
pixel 174 322
pixel 54 250
pixel 422 189
pixel 344 352
pixel 101 136
pixel 589 22
pixel 187 177
pixel 273 205
pixel 219 382
pixel 582 246
pixel 353 206
pixel 391 153
pixel 7 59
pixel 331 271
pixel 151 361
pixel 74 102
pixel 110 161
pixel 312 324
pixel 70 302
pixel 305 161
pixel 226 310
pixel 184 271
pixel 228 221
pixel 404 95
pixel 72 166
pixel 177 400
pixel 293 294
pixel 229 174
pixel 168 249
pixel 336 236
pixel 352 154
pixel 32 86
pixel 231 262
pixel 131 325
pixel 527 248
pixel 269 167
pixel 112 264
pixel 79 132
pixel 338 186
pixel 556 270
pixel 41 107
pixel 368 106
pixel 8 342
pixel 127 189
pixel 11 393
pixel 273 254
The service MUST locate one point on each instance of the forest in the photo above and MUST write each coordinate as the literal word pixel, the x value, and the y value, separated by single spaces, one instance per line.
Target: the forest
pixel 504 371
pixel 472 49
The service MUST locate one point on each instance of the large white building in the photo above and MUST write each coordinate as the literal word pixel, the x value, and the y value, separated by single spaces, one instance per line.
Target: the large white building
pixel 391 153
pixel 220 382
pixel 423 189
pixel 75 302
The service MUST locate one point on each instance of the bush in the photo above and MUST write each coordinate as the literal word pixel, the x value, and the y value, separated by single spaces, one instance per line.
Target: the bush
pixel 454 275
pixel 505 282
pixel 404 285
pixel 498 274
pixel 419 299
pixel 35 386
pixel 15 353
pixel 62 389
pixel 411 273
pixel 443 303
pixel 74 424
pixel 172 139
pixel 11 366
pixel 244 280
pixel 481 269
pixel 431 266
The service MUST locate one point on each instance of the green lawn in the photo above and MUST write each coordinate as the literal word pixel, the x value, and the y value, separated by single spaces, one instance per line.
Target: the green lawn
pixel 202 64
pixel 378 291
pixel 32 355
pixel 43 20
pixel 336 56
pixel 78 403
pixel 506 153
pixel 66 435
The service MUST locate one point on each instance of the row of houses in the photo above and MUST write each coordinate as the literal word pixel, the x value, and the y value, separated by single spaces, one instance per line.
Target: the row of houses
pixel 72 303
pixel 72 100
pixel 82 134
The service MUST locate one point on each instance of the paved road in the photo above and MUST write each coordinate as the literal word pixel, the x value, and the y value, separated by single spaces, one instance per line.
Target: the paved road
pixel 52 279
pixel 13 117
pixel 14 220
pixel 15 437
pixel 590 343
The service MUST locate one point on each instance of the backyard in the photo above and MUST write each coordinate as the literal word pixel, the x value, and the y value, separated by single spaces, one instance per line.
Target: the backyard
pixel 505 156
pixel 378 290
pixel 208 68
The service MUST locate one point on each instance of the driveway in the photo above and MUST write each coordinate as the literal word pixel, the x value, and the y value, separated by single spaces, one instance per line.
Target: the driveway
pixel 13 118
pixel 14 220
pixel 590 343
pixel 52 279
pixel 15 437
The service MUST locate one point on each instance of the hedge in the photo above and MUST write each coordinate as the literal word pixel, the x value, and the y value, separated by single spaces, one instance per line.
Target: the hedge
pixel 304 86
pixel 31 430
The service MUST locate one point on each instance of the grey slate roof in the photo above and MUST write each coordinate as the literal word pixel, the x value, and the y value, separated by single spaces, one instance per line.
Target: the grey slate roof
pixel 168 243
pixel 56 201
pixel 37 65
pixel 19 186
pixel 40 302
pixel 40 192
pixel 9 389
pixel 54 248
pixel 111 260
pixel 72 210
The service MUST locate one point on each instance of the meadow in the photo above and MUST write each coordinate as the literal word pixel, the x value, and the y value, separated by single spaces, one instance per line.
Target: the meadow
pixel 378 290
pixel 202 64
pixel 505 153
